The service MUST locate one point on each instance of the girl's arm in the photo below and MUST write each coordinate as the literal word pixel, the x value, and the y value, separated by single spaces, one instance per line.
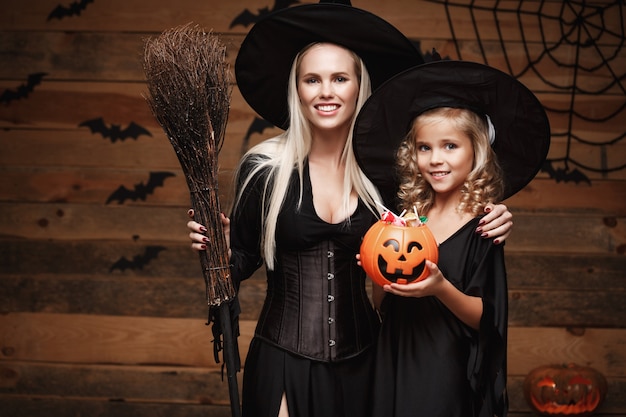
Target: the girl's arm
pixel 467 308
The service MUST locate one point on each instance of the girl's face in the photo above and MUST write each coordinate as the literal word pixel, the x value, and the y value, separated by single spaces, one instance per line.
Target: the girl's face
pixel 445 155
pixel 328 87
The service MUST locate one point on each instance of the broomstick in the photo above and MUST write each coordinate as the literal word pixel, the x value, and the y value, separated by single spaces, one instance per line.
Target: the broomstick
pixel 189 90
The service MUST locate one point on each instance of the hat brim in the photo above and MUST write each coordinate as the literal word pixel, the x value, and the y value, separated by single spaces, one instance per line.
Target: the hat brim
pixel 267 53
pixel 520 121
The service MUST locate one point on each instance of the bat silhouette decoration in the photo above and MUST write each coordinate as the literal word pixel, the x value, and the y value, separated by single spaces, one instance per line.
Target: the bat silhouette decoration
pixel 429 56
pixel 258 125
pixel 563 174
pixel 138 261
pixel 115 132
pixel 141 190
pixel 24 89
pixel 73 9
pixel 247 18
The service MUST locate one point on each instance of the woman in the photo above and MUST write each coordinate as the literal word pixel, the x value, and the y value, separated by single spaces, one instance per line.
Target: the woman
pixel 303 205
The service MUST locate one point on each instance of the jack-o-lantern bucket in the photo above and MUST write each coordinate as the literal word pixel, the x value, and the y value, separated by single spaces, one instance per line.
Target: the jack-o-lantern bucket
pixel 395 253
pixel 564 390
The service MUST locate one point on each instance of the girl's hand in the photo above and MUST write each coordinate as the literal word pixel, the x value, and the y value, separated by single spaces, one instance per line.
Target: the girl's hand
pixel 197 231
pixel 431 285
pixel 496 224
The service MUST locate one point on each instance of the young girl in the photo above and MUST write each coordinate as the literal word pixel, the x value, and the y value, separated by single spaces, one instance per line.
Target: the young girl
pixel 476 135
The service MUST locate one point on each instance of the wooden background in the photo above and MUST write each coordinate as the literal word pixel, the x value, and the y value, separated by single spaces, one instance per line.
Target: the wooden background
pixel 102 304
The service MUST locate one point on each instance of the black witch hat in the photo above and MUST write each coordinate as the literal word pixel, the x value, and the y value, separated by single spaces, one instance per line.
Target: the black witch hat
pixel 522 130
pixel 267 53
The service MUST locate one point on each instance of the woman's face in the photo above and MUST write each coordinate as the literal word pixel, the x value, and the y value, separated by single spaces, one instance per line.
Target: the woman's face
pixel 328 87
pixel 445 155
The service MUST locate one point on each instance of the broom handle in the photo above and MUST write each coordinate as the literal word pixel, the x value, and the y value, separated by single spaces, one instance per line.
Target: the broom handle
pixel 230 359
pixel 220 291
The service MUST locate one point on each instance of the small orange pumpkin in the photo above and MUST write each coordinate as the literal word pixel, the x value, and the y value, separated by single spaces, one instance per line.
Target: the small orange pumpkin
pixel 393 253
pixel 564 390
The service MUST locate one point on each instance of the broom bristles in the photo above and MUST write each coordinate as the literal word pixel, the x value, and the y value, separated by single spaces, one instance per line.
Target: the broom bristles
pixel 189 93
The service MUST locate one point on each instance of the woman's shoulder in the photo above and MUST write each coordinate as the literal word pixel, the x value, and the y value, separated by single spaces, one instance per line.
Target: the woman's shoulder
pixel 269 148
pixel 260 156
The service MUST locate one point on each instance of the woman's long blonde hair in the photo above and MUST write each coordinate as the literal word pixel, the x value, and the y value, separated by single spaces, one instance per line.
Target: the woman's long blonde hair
pixel 484 183
pixel 282 154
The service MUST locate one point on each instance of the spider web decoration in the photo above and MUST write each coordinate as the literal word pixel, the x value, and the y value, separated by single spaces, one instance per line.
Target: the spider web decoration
pixel 573 53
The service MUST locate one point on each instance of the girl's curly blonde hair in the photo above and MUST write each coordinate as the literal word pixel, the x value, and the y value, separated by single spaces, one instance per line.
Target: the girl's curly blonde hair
pixel 483 185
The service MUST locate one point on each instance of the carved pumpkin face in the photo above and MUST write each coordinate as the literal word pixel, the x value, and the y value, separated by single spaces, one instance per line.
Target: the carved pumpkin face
pixel 391 253
pixel 564 390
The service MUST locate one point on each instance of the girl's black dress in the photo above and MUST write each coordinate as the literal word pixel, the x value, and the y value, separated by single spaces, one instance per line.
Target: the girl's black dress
pixel 428 362
pixel 316 332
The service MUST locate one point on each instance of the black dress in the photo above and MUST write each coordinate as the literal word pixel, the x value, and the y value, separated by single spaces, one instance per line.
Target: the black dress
pixel 316 333
pixel 431 364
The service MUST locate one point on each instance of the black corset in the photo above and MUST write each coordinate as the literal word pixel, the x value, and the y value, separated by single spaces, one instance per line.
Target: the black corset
pixel 316 304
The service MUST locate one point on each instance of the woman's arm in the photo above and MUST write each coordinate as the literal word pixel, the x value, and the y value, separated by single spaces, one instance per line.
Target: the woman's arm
pixel 242 230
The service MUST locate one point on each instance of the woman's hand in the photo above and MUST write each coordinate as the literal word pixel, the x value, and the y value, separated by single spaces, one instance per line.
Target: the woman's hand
pixel 197 232
pixel 496 224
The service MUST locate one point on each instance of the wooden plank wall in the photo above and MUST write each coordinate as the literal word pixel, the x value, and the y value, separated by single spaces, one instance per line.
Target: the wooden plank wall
pixel 101 300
